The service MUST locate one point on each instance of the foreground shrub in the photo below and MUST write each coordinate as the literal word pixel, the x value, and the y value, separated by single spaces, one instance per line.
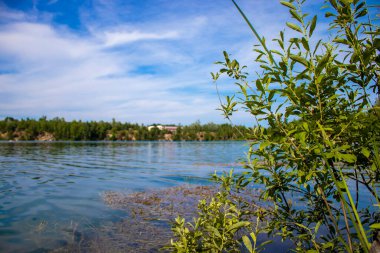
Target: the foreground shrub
pixel 316 148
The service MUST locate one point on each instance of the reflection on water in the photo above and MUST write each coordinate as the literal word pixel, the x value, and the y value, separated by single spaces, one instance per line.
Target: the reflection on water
pixel 49 190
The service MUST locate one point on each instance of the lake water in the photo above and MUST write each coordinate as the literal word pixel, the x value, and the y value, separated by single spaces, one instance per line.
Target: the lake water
pixel 55 186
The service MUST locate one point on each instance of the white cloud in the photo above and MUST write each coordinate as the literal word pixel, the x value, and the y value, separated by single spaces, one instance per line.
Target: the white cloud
pixel 123 37
pixel 100 75
pixel 34 43
pixel 61 74
pixel 7 14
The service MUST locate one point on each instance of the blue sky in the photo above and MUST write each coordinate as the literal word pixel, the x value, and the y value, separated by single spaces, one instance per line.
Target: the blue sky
pixel 136 61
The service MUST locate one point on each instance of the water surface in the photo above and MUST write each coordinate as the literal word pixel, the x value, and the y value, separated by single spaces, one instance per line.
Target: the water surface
pixel 56 186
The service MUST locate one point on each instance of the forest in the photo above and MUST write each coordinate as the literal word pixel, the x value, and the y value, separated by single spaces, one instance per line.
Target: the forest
pixel 60 129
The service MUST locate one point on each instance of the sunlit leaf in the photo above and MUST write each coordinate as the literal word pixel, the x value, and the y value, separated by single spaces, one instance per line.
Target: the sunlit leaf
pixel 313 25
pixel 294 27
pixel 288 4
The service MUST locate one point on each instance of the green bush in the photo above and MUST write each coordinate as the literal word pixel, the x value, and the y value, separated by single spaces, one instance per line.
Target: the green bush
pixel 218 224
pixel 316 133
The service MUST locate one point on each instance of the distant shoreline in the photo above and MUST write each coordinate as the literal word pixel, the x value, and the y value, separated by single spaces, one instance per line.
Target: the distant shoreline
pixel 57 129
pixel 117 141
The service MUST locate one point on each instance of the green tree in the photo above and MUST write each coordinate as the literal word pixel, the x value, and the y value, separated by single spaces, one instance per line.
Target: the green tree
pixel 317 139
pixel 178 134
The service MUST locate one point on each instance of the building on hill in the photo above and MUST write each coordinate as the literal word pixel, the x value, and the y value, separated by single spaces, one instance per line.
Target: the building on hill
pixel 161 127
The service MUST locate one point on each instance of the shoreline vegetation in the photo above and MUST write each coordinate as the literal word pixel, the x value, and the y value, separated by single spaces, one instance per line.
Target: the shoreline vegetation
pixel 58 129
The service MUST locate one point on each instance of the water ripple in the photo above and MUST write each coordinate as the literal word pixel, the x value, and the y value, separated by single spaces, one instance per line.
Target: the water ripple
pixel 58 183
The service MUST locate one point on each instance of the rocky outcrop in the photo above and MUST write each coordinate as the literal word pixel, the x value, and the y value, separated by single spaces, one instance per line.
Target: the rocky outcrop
pixel 3 136
pixel 45 136
pixel 132 137
pixel 168 137
pixel 201 136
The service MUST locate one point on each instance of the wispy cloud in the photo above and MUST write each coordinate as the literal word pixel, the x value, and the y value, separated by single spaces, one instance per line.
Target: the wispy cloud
pixel 123 37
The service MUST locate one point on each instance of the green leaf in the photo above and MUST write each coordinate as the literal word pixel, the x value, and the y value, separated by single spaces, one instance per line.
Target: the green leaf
pixel 214 231
pixel 299 59
pixel 265 243
pixel 350 158
pixel 294 27
pixel 366 152
pixel 305 44
pixel 253 236
pixel 276 52
pixel 312 25
pixel 317 151
pixel 264 144
pixel 259 85
pixel 316 46
pixel 376 43
pixel 238 225
pixel 340 185
pixel 317 226
pixel 225 55
pixel 301 136
pixel 361 14
pixel 265 67
pixel 346 2
pixel 271 94
pixel 359 6
pixel 215 76
pixel 247 243
pixel 289 5
pixel 375 226
pixel 283 66
pixel 341 41
pixel 322 63
pixel 295 15
pixel 328 245
pixel 305 126
pixel 334 3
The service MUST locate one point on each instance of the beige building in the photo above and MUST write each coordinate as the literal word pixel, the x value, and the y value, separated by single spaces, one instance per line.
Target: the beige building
pixel 161 127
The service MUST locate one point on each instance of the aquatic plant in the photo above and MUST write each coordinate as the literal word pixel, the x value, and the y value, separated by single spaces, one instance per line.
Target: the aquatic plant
pixel 145 226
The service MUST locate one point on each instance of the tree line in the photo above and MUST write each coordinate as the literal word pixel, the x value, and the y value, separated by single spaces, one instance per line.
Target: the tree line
pixel 60 129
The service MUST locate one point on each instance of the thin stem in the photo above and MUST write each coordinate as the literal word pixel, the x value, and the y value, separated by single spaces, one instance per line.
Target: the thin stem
pixel 286 202
pixel 347 227
pixel 337 230
pixel 357 189
pixel 354 218
pixel 356 221
pixel 256 34
pixel 366 184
